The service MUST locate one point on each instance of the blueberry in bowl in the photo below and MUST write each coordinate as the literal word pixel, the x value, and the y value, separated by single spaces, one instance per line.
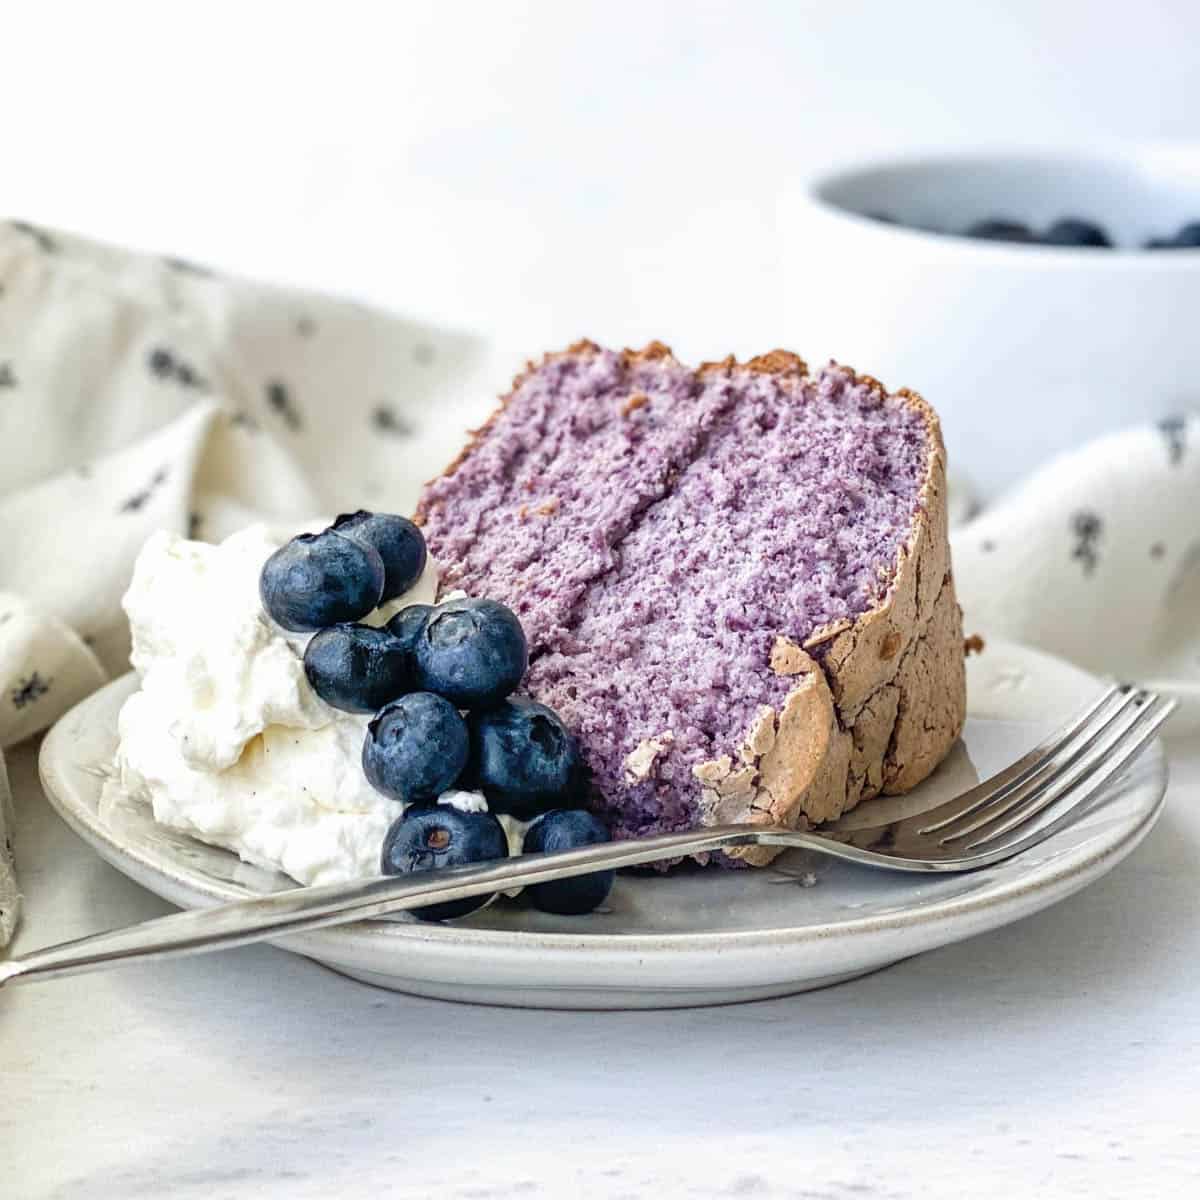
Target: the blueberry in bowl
pixel 1187 238
pixel 568 829
pixel 415 748
pixel 1072 231
pixel 524 759
pixel 397 541
pixel 357 668
pixel 426 838
pixel 1000 229
pixel 472 652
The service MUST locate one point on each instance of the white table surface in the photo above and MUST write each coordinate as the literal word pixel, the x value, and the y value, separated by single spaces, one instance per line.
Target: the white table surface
pixel 537 171
pixel 1058 1057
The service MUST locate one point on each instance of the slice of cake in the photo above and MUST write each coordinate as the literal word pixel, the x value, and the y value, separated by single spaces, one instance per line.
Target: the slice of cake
pixel 735 581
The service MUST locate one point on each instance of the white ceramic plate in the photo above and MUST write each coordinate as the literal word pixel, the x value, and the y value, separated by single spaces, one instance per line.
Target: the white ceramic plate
pixel 700 937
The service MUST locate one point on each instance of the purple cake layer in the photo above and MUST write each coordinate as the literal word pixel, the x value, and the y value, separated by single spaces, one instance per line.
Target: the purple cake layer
pixel 656 528
pixel 789 518
pixel 583 445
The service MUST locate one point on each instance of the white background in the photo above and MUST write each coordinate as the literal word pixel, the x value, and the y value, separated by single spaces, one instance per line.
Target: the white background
pixel 539 171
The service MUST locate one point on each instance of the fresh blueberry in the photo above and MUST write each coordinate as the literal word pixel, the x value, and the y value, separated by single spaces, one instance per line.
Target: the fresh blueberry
pixel 408 623
pixel 1000 230
pixel 1071 231
pixel 567 829
pixel 427 838
pixel 1189 236
pixel 524 759
pixel 472 652
pixel 357 668
pixel 416 748
pixel 320 579
pixel 398 542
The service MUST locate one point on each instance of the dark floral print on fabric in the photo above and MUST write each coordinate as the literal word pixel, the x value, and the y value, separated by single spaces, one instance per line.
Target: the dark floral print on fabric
pixel 140 499
pixel 44 240
pixel 243 420
pixel 30 689
pixel 1087 528
pixel 186 267
pixel 167 365
pixel 1174 429
pixel 279 399
pixel 385 419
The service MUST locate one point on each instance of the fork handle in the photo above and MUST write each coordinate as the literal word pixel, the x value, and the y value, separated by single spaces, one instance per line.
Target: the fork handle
pixel 300 909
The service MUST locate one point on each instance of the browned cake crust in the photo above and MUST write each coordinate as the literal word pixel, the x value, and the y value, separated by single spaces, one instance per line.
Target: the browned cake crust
pixel 882 707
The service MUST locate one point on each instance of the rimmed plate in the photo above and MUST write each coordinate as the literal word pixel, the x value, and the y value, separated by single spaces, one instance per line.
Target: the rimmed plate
pixel 691 938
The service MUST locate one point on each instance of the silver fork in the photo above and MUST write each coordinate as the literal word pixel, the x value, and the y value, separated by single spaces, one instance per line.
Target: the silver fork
pixel 991 822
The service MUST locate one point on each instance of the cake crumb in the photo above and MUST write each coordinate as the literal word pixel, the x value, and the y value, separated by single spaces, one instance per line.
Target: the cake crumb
pixel 973 645
pixel 826 633
pixel 778 362
pixel 644 755
pixel 788 659
pixel 636 401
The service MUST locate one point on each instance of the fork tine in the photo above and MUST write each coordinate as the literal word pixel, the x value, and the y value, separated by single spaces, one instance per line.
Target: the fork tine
pixel 1094 780
pixel 1091 773
pixel 1002 784
pixel 1055 766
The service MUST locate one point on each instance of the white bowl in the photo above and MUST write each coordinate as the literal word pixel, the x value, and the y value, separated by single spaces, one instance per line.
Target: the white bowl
pixel 1023 349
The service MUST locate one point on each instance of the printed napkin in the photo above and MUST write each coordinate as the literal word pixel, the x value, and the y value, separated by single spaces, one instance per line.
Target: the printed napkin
pixel 140 393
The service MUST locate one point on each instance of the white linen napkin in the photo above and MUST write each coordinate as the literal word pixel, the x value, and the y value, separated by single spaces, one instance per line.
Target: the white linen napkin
pixel 140 393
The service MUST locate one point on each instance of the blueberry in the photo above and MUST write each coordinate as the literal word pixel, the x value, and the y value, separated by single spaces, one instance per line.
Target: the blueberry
pixel 416 748
pixel 472 652
pixel 1071 231
pixel 524 759
pixel 427 838
pixel 357 668
pixel 408 623
pixel 564 829
pixel 320 579
pixel 1189 236
pixel 1000 230
pixel 398 542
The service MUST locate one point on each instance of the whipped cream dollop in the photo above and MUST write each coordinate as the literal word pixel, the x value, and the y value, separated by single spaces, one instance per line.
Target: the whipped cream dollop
pixel 226 738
